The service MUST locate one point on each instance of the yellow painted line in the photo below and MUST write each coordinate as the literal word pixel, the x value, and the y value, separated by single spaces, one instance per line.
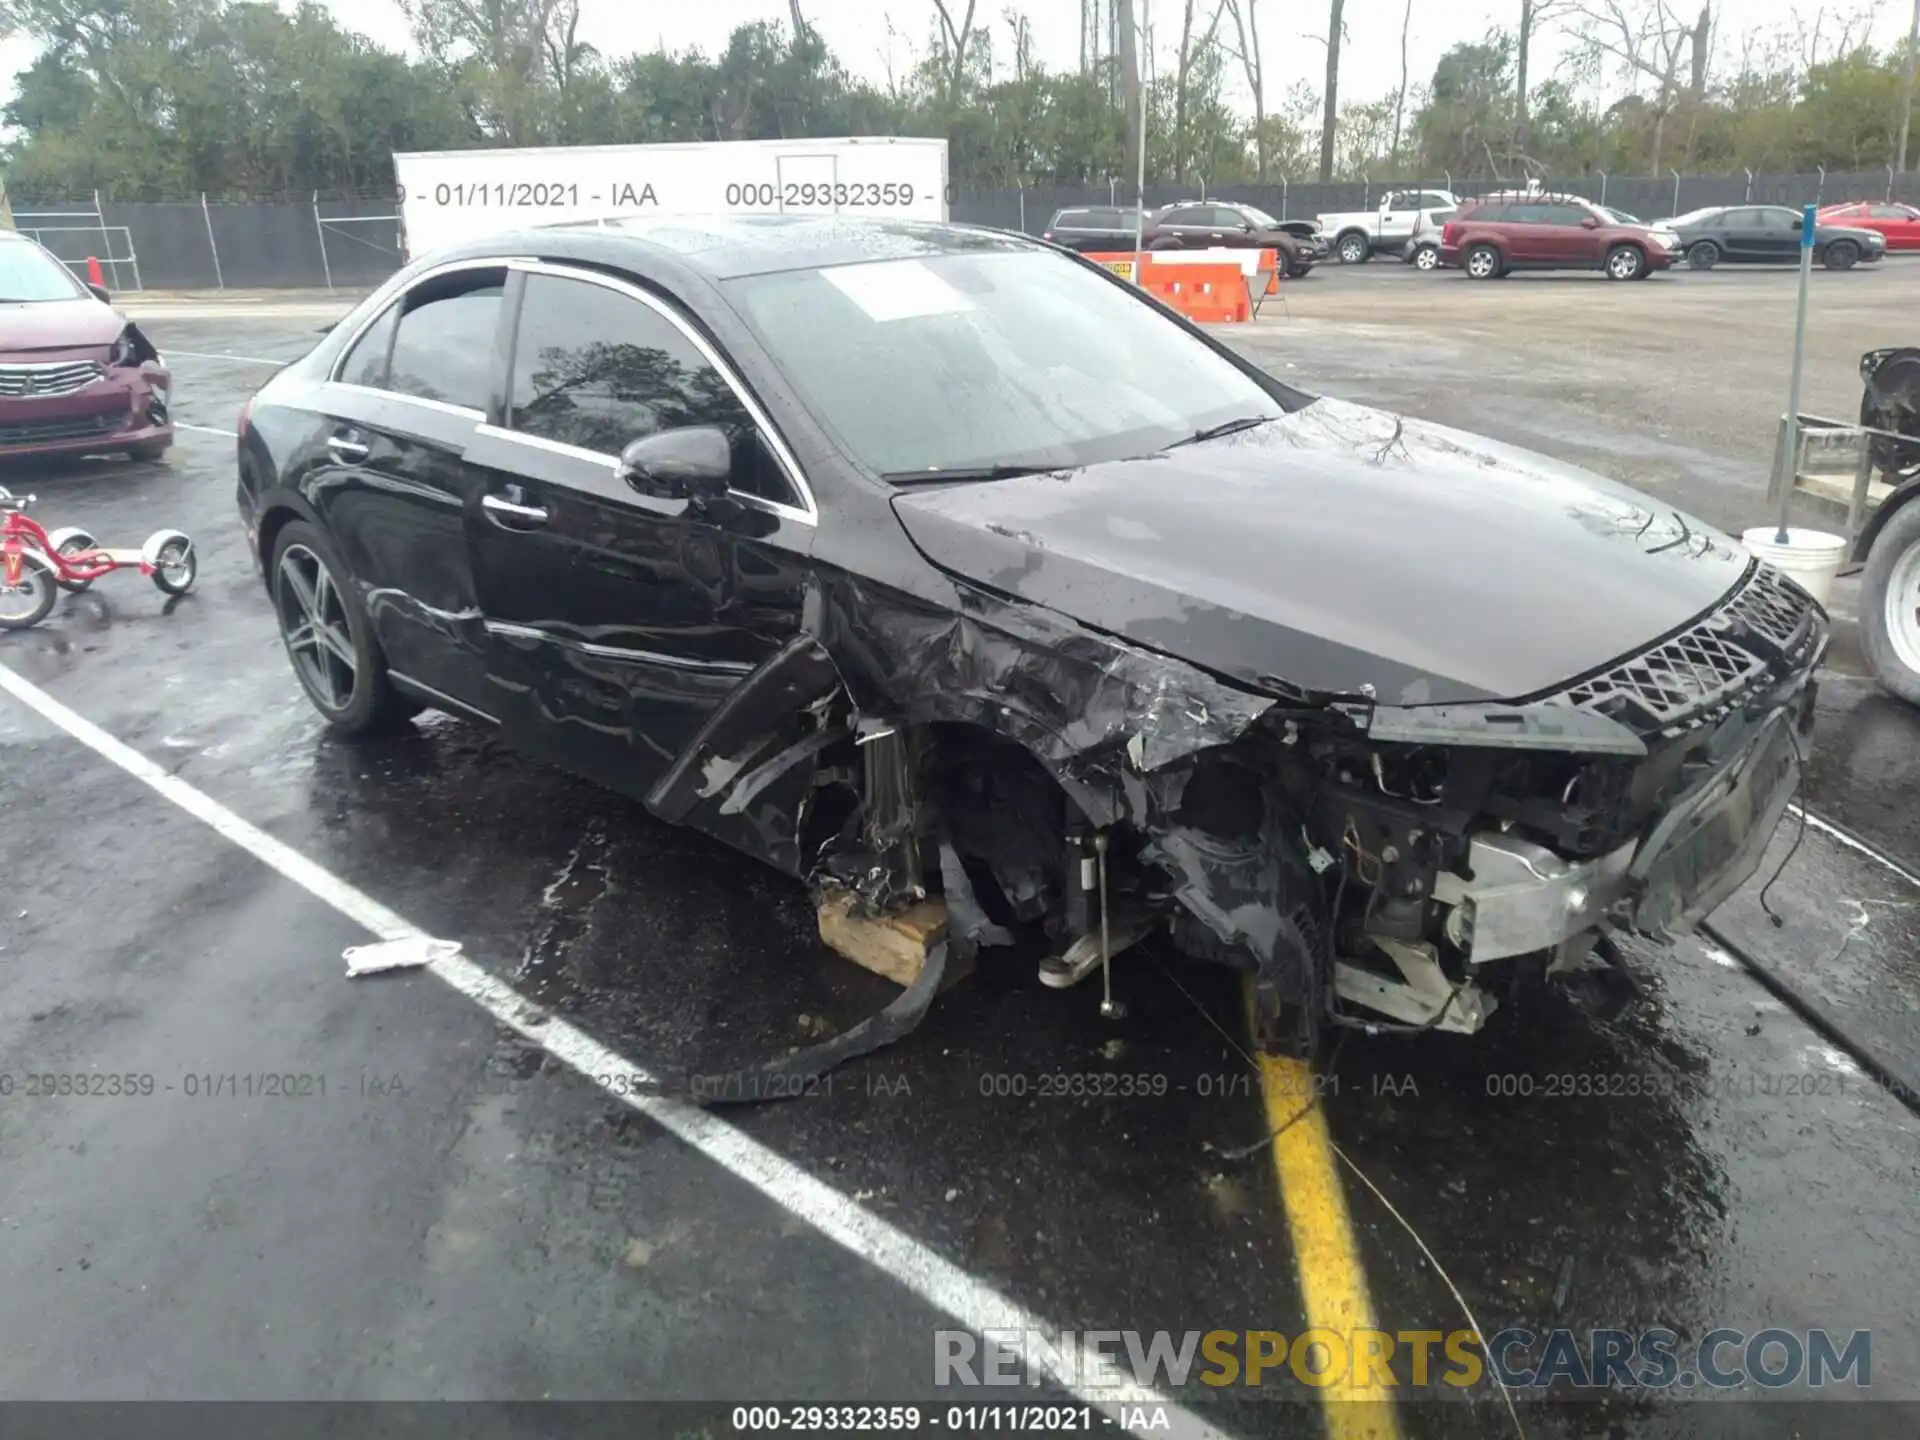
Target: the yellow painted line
pixel 1333 1287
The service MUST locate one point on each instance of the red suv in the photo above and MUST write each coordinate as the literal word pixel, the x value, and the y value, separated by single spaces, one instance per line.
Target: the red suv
pixel 1494 235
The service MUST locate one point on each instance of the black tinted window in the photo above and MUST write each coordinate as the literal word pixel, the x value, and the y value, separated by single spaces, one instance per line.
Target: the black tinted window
pixel 597 369
pixel 443 349
pixel 1527 214
pixel 1078 219
pixel 366 362
pixel 1487 214
pixel 1562 214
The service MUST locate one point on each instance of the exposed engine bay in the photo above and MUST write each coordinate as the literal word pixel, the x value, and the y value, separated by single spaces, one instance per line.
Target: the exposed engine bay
pixel 1366 864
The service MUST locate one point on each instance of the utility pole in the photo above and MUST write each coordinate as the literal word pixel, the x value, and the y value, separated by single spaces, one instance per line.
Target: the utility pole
pixel 1906 88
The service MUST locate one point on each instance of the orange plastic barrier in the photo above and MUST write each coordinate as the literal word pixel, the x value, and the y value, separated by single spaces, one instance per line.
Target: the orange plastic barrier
pixel 1208 294
pixel 1212 293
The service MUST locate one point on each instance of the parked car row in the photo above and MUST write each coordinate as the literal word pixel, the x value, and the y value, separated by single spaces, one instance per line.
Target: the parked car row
pixel 1490 236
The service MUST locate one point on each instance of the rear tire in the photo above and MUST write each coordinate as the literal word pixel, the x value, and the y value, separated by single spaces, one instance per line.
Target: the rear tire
pixel 1841 255
pixel 1483 263
pixel 73 542
pixel 1354 248
pixel 329 637
pixel 1703 255
pixel 1625 262
pixel 1427 257
pixel 1890 606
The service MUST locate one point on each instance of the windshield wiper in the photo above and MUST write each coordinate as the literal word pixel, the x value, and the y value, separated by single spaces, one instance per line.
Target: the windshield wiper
pixel 1225 427
pixel 961 473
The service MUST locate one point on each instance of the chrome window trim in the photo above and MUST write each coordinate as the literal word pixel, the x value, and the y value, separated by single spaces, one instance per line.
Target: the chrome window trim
pixel 618 652
pixel 433 272
pixel 464 412
pixel 807 514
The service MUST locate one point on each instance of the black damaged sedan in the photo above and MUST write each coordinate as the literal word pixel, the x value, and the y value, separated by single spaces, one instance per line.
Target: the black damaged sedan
pixel 924 562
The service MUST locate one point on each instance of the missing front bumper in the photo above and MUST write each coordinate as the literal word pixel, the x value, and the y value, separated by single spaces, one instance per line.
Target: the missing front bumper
pixel 1523 898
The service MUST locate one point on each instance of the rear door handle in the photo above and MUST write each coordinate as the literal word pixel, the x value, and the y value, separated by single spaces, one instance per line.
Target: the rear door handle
pixel 510 515
pixel 346 449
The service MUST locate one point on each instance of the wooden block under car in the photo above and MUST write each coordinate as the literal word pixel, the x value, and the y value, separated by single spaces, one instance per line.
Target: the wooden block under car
pixel 894 944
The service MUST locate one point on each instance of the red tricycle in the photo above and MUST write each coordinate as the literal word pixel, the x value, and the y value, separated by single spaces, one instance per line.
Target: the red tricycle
pixel 36 564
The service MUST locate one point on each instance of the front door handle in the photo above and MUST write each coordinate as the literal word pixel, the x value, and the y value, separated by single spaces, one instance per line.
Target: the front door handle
pixel 505 512
pixel 346 449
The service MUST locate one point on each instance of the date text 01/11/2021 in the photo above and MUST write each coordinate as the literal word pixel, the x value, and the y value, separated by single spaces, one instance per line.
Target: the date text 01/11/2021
pixel 541 194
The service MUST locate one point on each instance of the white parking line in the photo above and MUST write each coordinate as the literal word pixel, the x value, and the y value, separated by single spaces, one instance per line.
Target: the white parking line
pixel 923 1272
pixel 207 355
pixel 205 429
pixel 1825 828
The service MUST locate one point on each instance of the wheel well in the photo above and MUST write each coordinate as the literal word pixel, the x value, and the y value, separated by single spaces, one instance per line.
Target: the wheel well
pixel 1353 232
pixel 271 524
pixel 1901 499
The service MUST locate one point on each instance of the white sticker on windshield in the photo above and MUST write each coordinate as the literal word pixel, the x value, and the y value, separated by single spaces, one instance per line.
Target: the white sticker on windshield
pixel 897 290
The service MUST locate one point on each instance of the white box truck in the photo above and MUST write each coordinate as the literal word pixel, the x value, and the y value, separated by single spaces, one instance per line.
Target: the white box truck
pixel 447 196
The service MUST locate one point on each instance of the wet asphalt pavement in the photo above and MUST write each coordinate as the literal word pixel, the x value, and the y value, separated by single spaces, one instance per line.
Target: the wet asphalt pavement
pixel 427 1206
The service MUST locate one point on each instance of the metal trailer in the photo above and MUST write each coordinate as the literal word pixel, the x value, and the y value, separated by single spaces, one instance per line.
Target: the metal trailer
pixel 1870 471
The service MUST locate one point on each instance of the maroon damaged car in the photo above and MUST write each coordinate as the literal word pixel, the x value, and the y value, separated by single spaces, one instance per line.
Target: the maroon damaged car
pixel 76 376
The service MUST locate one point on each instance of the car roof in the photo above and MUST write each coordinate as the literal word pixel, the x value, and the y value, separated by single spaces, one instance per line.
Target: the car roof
pixel 723 247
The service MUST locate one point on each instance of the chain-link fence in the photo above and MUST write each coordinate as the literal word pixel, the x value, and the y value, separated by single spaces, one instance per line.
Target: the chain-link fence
pixel 204 244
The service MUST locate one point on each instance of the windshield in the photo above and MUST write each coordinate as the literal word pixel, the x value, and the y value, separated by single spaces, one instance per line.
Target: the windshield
pixel 961 362
pixel 1619 217
pixel 29 275
pixel 1257 215
pixel 1694 217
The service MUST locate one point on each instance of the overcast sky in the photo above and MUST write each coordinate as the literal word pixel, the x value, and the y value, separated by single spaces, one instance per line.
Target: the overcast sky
pixel 858 30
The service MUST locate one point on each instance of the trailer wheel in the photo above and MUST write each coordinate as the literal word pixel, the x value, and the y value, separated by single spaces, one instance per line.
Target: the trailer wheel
pixel 1890 605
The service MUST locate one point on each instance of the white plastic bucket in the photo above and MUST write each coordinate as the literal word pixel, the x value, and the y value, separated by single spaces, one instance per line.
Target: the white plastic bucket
pixel 1812 557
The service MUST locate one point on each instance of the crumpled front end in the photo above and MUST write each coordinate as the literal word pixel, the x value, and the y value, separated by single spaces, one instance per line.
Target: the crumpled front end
pixel 1051 786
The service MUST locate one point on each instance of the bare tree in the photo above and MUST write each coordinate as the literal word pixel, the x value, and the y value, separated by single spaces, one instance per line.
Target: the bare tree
pixel 1184 67
pixel 1533 14
pixel 1400 100
pixel 1648 41
pixel 1702 45
pixel 1906 86
pixel 1127 39
pixel 957 38
pixel 799 21
pixel 1331 110
pixel 1248 31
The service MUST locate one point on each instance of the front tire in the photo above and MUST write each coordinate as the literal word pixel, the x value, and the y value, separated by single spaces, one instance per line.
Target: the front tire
pixel 329 636
pixel 1624 262
pixel 1890 606
pixel 1703 255
pixel 1841 255
pixel 31 601
pixel 1482 263
pixel 1354 248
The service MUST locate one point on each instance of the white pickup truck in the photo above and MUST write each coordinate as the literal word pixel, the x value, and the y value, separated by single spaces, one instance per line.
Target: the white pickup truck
pixel 1357 234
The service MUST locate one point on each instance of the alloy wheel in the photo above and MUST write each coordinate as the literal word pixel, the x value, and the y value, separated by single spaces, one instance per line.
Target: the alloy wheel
pixel 1903 608
pixel 1352 250
pixel 1624 264
pixel 1481 264
pixel 313 622
pixel 1426 258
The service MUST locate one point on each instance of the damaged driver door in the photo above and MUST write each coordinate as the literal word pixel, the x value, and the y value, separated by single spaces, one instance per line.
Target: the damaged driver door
pixel 623 605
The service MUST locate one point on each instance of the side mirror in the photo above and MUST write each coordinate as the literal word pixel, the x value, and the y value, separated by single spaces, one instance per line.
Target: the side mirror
pixel 100 293
pixel 1590 222
pixel 692 464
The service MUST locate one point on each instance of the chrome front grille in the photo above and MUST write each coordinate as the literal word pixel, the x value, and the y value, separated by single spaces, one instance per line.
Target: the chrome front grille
pixel 21 382
pixel 1767 626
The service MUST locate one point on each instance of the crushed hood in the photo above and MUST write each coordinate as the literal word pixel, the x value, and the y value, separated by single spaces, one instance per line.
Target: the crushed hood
pixel 1342 547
